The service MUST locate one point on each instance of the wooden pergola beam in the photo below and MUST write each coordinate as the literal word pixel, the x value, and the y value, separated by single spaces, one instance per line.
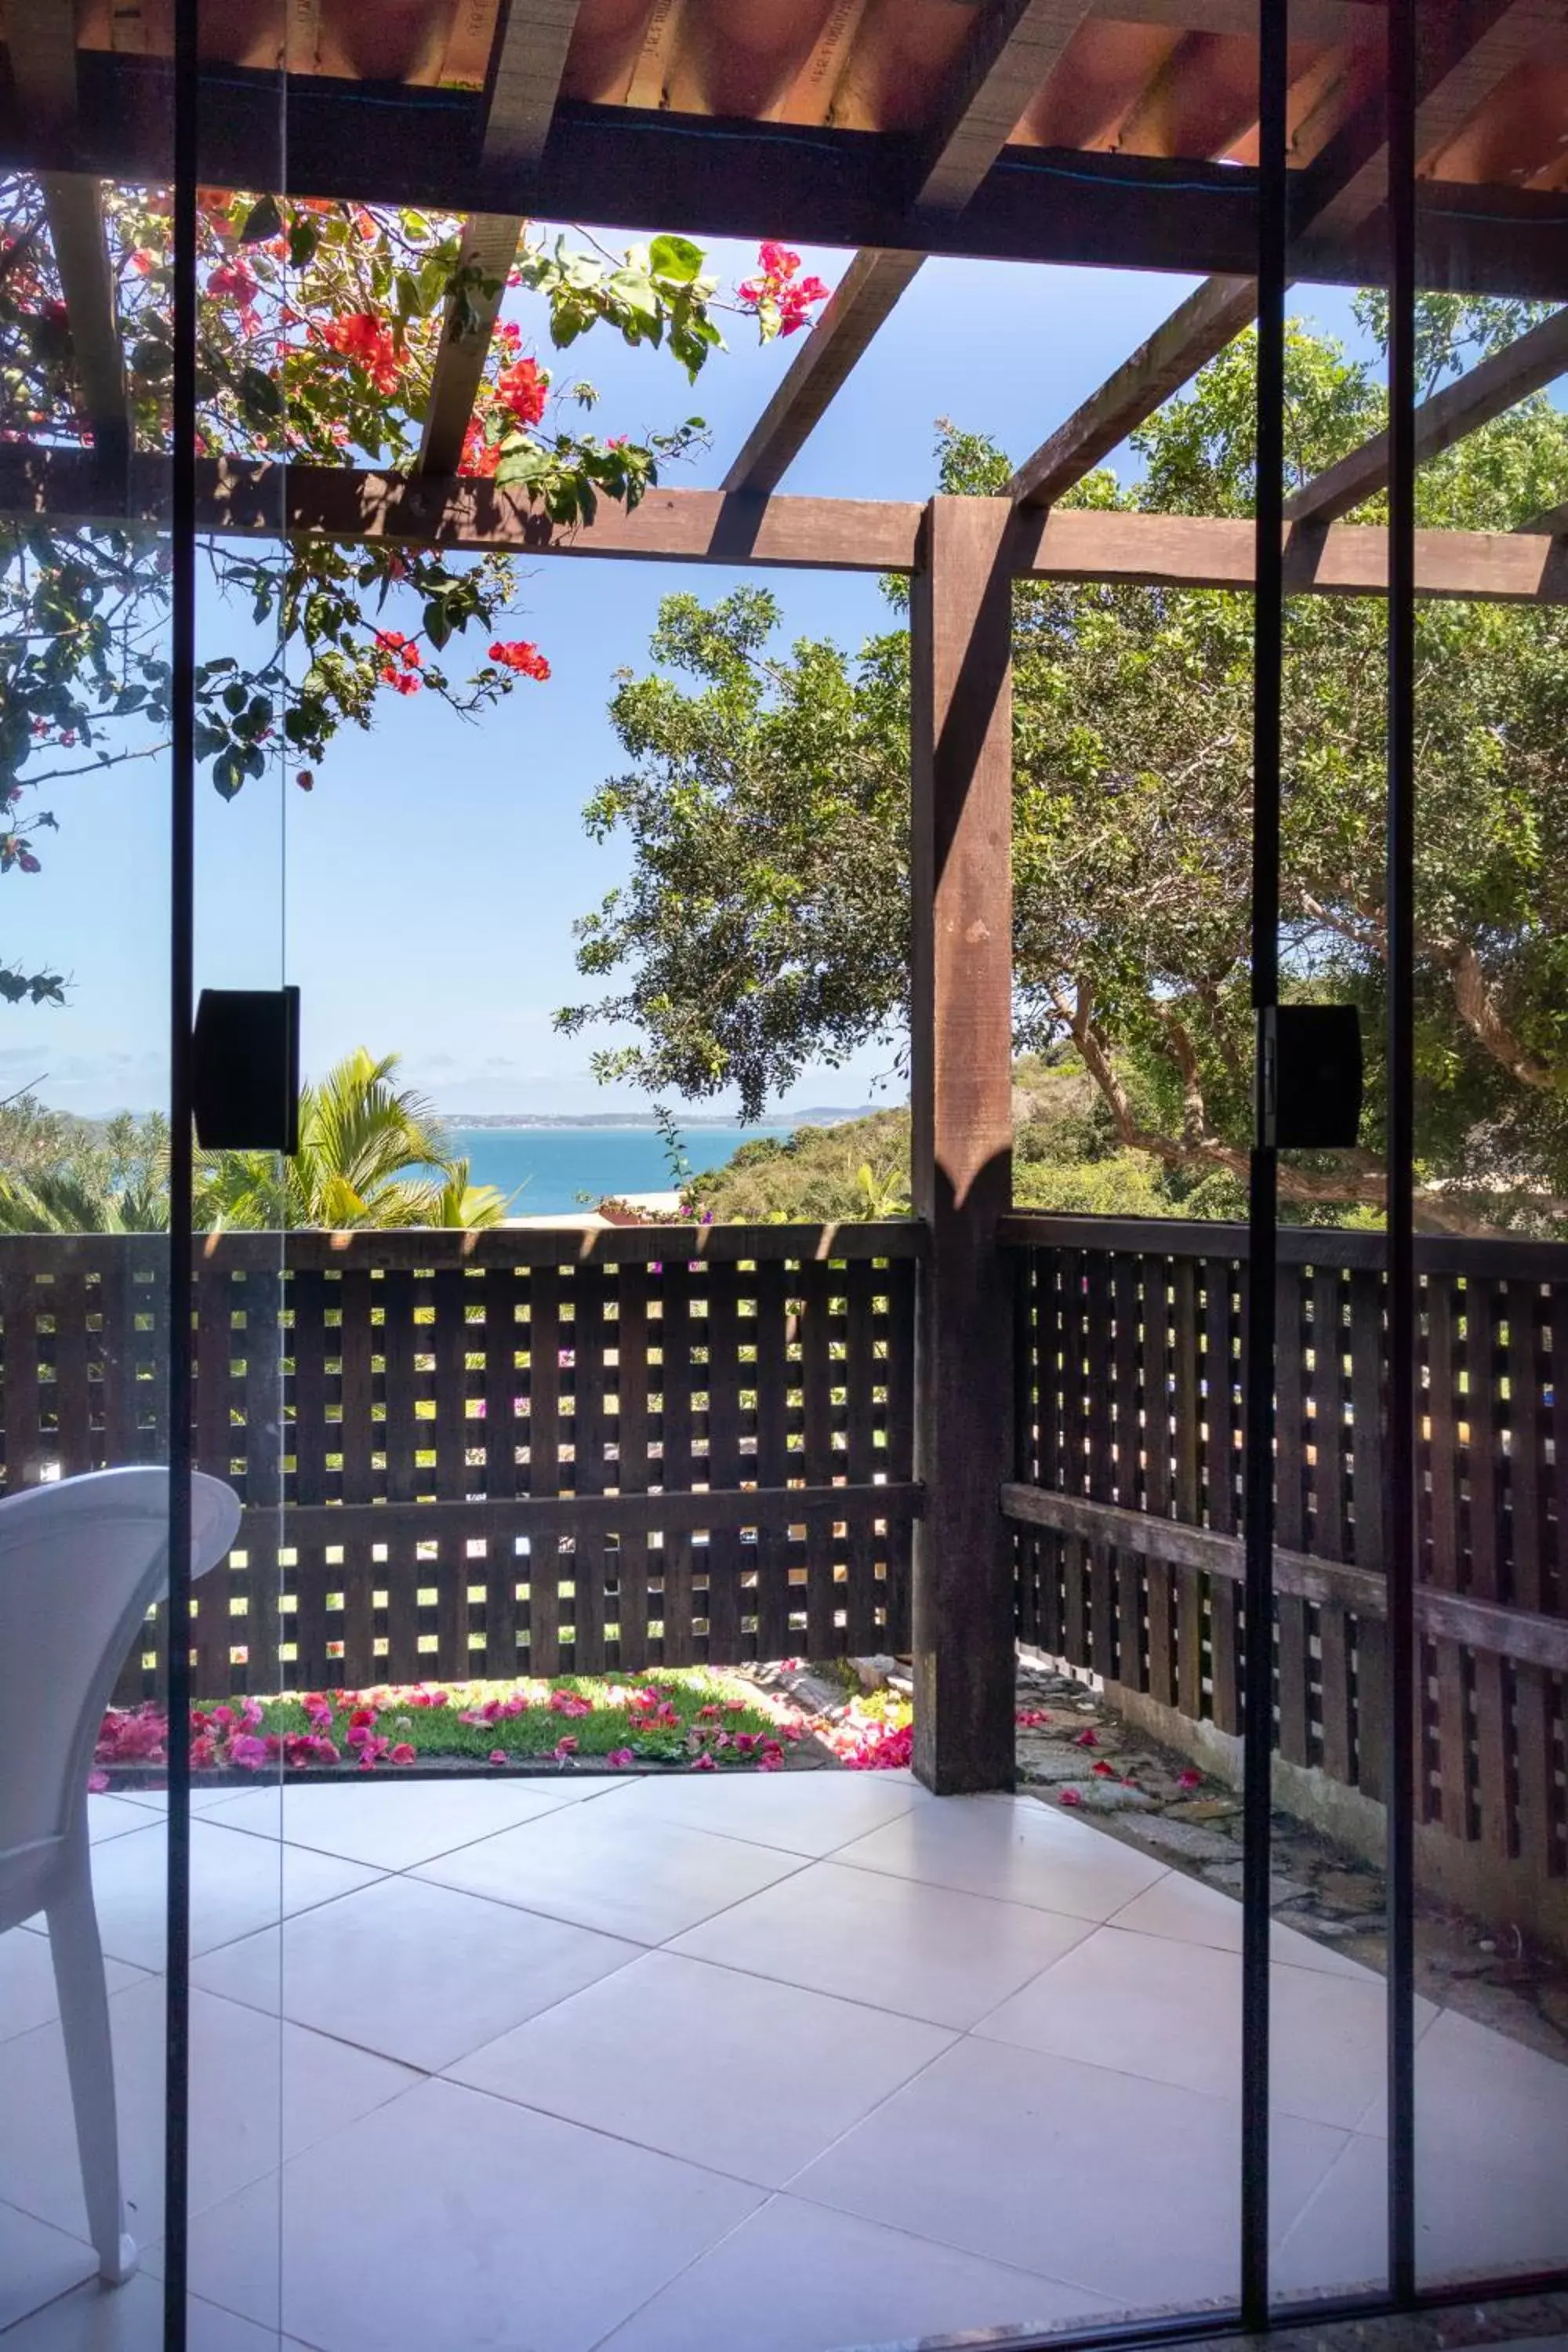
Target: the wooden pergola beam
pixel 1533 359
pixel 1193 333
pixel 1007 58
pixel 525 81
pixel 1553 523
pixel 1080 544
pixel 859 302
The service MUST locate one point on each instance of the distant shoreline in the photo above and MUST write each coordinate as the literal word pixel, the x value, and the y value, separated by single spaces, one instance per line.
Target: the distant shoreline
pixel 785 1122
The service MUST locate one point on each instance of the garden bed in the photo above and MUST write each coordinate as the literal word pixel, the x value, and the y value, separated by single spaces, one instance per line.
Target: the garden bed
pixel 685 1719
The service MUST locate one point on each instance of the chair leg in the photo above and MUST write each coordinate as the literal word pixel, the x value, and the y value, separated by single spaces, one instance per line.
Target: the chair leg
pixel 78 1957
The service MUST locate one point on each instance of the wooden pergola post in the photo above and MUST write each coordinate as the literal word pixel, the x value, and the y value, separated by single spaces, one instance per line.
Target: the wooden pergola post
pixel 961 1051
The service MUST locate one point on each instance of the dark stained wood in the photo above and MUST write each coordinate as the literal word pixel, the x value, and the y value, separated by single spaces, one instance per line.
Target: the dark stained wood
pixel 961 1053
pixel 1291 1617
pixel 1533 360
pixel 1209 318
pixel 672 1561
pixel 525 80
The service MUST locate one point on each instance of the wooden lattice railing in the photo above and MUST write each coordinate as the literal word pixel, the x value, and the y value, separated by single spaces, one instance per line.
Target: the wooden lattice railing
pixel 513 1450
pixel 1128 1502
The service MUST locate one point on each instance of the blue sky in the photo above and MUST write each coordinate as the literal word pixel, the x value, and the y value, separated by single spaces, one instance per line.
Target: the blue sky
pixel 422 895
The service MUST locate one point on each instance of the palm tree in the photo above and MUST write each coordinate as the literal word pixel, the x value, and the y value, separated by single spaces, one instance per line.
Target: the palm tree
pixel 370 1156
pixel 65 1200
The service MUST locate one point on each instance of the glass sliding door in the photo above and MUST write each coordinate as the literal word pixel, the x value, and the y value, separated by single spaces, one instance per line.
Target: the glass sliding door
pixel 1489 1351
pixel 84 1139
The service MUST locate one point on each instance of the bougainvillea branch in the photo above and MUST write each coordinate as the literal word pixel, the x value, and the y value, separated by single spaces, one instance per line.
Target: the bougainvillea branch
pixel 319 331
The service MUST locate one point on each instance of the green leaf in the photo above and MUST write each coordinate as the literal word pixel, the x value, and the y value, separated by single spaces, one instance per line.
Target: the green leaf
pixel 152 358
pixel 438 626
pixel 304 236
pixel 262 221
pixel 259 396
pixel 676 257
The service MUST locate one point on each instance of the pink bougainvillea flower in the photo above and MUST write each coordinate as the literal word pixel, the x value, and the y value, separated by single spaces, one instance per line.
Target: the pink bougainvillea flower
pixel 1029 1718
pixel 1069 1797
pixel 402 1754
pixel 1088 1738
pixel 619 1757
pixel 363 1718
pixel 233 282
pixel 498 1755
pixel 250 1713
pixel 1189 1779
pixel 564 1749
pixel 1104 1771
pixel 707 1714
pixel 97 1782
pixel 704 1764
pixel 248 1752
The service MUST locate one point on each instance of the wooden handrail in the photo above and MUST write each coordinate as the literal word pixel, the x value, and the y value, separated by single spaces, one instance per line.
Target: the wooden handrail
pixel 1326 1246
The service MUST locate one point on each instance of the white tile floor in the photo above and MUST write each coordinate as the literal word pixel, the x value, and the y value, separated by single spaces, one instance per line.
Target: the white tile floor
pixel 793 2062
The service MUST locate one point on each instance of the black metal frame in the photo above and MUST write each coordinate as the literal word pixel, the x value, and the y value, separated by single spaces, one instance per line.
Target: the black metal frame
pixel 181 944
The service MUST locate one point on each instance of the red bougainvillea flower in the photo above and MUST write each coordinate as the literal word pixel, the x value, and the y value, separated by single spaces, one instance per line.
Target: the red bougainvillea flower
pixel 1104 1771
pixel 360 336
pixel 777 283
pixel 1029 1718
pixel 402 681
pixel 521 656
pixel 233 282
pixel 1069 1797
pixel 564 1748
pixel 142 261
pixel 479 456
pixel 1189 1779
pixel 1088 1738
pixel 402 1754
pixel 363 1718
pixel 523 389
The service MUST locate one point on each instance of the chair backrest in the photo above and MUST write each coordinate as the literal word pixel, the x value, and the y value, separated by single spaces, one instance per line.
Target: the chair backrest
pixel 82 1562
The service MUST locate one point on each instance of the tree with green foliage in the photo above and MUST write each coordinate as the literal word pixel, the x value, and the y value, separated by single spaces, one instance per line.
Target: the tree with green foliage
pixel 765 803
pixel 65 1175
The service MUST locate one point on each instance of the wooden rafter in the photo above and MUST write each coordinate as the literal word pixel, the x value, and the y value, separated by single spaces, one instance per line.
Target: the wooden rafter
pixel 1009 57
pixel 535 35
pixel 1487 42
pixel 1346 188
pixel 812 534
pixel 1191 336
pixel 1533 359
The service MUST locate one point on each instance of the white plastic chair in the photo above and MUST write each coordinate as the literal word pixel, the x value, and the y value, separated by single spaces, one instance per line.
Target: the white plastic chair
pixel 82 1562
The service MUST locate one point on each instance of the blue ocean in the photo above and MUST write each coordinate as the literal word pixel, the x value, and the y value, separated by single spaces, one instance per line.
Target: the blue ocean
pixel 548 1169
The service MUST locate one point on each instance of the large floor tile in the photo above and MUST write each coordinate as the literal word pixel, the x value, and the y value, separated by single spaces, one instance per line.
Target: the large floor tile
pixel 393 1824
pixel 28 1982
pixel 111 1817
pixel 810 1813
pixel 922 1951
pixel 602 1868
pixel 655 2055
pixel 477 2222
pixel 1492 2102
pixel 1127 2189
pixel 1191 1913
pixel 809 2280
pixel 238 1885
pixel 418 1972
pixel 255 2089
pixel 37 2263
pixel 130 2318
pixel 1471 2220
pixel 1011 1847
pixel 1151 2005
